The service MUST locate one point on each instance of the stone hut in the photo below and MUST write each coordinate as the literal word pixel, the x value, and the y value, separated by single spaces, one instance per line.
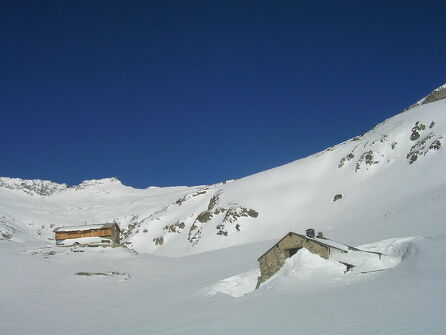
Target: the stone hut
pixel 273 260
pixel 88 234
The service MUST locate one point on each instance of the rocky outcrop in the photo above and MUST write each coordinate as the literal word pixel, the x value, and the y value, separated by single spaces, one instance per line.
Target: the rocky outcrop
pixel 435 95
pixel 426 140
pixel 176 227
pixel 345 159
pixel 423 146
pixel 32 187
pixel 366 160
pixel 158 240
pixel 48 188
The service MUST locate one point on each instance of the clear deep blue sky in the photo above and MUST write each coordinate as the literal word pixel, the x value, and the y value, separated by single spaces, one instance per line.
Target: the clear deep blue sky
pixel 195 92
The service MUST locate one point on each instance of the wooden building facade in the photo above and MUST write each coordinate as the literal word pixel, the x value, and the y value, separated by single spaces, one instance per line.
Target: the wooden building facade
pixel 105 233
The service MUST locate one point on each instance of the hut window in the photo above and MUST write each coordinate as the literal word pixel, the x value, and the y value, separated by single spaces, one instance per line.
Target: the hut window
pixel 291 252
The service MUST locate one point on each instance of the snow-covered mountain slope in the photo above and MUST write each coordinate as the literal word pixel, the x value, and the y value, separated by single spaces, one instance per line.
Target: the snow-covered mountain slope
pixel 382 184
pixel 384 191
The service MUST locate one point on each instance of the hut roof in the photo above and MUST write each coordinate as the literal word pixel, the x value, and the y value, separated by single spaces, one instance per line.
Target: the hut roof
pixel 87 227
pixel 321 241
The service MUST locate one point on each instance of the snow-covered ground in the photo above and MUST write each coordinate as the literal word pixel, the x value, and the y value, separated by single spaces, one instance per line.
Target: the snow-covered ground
pixel 41 293
pixel 384 191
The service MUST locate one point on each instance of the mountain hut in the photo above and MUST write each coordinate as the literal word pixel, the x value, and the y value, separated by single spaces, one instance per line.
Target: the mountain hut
pixel 88 234
pixel 273 259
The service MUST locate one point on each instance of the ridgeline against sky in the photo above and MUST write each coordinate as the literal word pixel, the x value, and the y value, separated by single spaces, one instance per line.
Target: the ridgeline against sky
pixel 185 92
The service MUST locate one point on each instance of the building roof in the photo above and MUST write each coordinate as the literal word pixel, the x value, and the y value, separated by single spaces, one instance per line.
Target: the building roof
pixel 321 241
pixel 87 227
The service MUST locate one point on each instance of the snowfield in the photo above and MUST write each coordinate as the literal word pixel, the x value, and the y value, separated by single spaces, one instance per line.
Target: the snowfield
pixel 41 294
pixel 188 264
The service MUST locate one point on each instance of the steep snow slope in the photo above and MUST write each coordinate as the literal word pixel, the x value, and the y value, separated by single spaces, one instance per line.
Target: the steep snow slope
pixel 379 181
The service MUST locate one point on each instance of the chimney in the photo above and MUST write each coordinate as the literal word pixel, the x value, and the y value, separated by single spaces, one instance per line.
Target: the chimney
pixel 320 235
pixel 310 232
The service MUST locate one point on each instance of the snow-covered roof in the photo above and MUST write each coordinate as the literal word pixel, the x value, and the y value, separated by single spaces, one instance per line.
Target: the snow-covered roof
pixel 330 243
pixel 324 241
pixel 86 227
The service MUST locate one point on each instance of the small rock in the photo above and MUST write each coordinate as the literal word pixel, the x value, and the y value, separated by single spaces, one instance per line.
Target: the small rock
pixel 204 216
pixel 337 197
pixel 159 240
pixel 436 145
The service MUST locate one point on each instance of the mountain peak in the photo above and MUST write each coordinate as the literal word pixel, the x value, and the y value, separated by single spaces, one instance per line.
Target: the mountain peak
pixel 438 94
pixel 93 182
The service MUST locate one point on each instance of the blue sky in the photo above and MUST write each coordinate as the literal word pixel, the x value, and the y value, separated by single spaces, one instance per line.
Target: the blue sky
pixel 196 92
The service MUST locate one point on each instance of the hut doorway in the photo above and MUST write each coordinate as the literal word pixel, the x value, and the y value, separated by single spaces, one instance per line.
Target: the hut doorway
pixel 290 252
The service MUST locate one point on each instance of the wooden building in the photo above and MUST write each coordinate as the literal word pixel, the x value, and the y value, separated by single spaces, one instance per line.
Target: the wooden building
pixel 88 234
pixel 273 259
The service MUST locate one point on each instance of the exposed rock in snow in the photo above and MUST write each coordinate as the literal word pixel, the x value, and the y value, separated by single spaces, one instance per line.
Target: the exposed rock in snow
pixel 337 197
pixel 94 182
pixel 32 187
pixel 47 188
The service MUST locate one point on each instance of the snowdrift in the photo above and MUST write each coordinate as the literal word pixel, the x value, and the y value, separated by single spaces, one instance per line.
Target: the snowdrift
pixel 307 272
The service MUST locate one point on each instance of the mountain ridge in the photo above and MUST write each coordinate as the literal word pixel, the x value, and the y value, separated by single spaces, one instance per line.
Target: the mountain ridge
pixel 436 95
pixel 47 187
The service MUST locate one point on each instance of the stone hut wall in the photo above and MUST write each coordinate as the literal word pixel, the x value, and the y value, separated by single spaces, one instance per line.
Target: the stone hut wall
pixel 274 259
pixel 115 236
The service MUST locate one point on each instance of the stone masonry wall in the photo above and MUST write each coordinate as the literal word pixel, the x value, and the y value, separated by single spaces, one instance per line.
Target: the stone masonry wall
pixel 115 235
pixel 275 258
